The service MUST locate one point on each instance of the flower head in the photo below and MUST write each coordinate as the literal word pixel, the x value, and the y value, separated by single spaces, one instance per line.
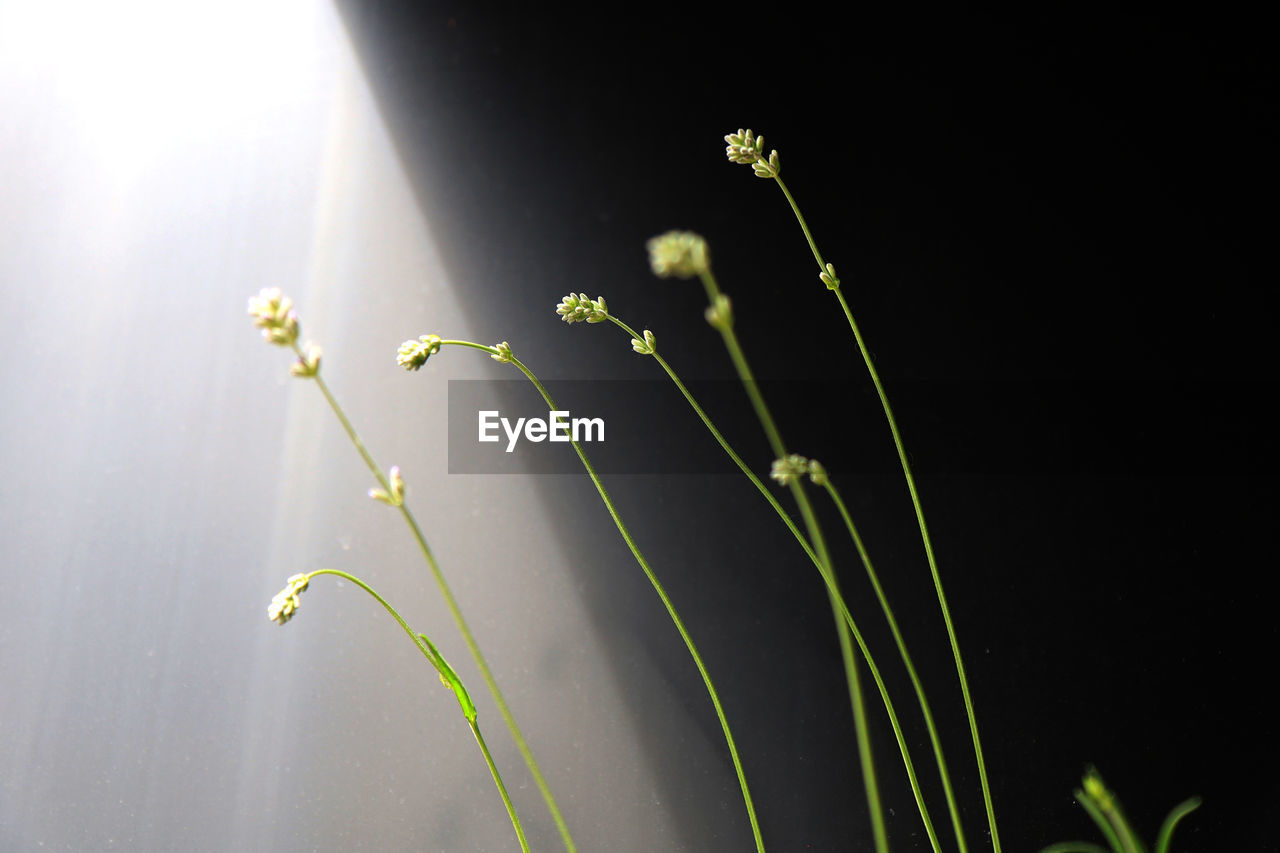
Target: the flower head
pixel 794 466
pixel 789 468
pixel 682 254
pixel 577 308
pixel 743 147
pixel 272 312
pixel 413 354
pixel 748 149
pixel 503 354
pixel 285 603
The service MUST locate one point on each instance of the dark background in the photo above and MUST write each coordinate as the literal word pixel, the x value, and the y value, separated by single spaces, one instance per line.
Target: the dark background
pixel 1054 232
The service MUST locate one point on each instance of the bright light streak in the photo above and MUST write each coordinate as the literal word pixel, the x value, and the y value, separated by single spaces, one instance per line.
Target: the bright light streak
pixel 159 161
pixel 140 79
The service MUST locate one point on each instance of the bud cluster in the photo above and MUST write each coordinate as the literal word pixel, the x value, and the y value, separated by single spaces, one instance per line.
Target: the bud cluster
pixel 503 354
pixel 578 308
pixel 748 149
pixel 682 254
pixel 413 354
pixel 273 313
pixel 648 346
pixel 795 466
pixel 829 278
pixel 720 313
pixel 395 497
pixel 285 602
pixel 308 364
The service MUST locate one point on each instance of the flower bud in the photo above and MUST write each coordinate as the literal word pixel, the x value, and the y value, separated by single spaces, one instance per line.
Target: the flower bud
pixel 682 254
pixel 413 354
pixel 647 346
pixel 503 354
pixel 285 602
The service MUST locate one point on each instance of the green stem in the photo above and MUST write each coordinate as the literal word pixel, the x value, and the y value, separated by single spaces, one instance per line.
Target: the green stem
pixel 820 548
pixel 456 612
pixel 924 529
pixel 1090 805
pixel 502 789
pixel 906 660
pixel 475 730
pixel 1107 804
pixel 933 571
pixel 1180 811
pixel 827 579
pixel 804 226
pixel 658 588
pixel 487 675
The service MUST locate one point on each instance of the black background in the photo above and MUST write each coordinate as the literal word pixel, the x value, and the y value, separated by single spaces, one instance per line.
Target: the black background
pixel 1054 232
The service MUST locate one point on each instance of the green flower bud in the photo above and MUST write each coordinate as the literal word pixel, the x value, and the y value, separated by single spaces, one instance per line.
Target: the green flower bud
pixel 768 168
pixel 682 254
pixel 720 314
pixel 648 346
pixel 396 496
pixel 578 308
pixel 503 354
pixel 285 603
pixel 272 312
pixel 413 354
pixel 1094 787
pixel 748 149
pixel 828 277
pixel 308 364
pixel 789 468
pixel 743 147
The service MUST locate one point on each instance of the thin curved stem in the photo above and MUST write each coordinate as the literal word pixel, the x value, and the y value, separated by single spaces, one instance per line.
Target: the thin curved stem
pixel 933 571
pixel 934 740
pixel 832 589
pixel 487 675
pixel 385 604
pixel 666 602
pixel 456 612
pixel 349 429
pixel 1095 812
pixel 919 511
pixel 820 548
pixel 804 226
pixel 1180 811
pixel 657 585
pixel 475 729
pixel 502 789
pixel 1105 810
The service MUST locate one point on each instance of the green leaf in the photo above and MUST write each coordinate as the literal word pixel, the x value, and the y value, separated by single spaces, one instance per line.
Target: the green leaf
pixel 449 677
pixel 1180 811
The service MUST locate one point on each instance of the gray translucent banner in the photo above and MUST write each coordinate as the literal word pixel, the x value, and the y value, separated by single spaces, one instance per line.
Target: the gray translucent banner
pixel 960 428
